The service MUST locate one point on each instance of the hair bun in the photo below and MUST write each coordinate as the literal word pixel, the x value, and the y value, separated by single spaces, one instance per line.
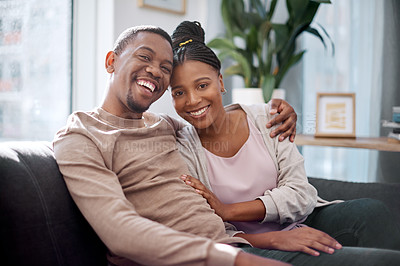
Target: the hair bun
pixel 187 30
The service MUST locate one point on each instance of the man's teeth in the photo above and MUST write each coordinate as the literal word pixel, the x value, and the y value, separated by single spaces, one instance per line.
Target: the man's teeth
pixel 147 84
pixel 199 112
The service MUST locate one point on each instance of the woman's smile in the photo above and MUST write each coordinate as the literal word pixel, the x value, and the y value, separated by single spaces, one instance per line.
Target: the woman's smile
pixel 199 112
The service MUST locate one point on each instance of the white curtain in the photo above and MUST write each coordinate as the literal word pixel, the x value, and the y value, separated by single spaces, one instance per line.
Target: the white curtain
pixel 356 28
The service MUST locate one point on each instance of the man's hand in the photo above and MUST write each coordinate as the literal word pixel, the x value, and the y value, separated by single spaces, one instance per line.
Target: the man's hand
pixel 287 116
pixel 247 259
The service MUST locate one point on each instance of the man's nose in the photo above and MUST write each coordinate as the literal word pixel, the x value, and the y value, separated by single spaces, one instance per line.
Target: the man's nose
pixel 154 70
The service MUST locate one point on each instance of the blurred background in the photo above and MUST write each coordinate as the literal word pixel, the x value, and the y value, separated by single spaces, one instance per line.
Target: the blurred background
pixel 53 54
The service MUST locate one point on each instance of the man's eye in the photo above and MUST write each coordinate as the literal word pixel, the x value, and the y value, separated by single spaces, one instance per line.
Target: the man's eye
pixel 202 86
pixel 144 57
pixel 167 69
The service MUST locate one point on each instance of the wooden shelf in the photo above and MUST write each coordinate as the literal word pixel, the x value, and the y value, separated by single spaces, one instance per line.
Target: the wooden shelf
pixel 381 143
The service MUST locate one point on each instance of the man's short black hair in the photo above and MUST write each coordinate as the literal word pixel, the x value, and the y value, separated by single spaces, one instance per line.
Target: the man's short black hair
pixel 129 35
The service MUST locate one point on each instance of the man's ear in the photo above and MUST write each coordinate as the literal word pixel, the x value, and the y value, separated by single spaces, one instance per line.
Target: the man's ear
pixel 110 58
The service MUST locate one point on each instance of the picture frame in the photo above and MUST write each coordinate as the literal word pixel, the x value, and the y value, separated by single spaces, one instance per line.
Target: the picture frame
pixel 335 115
pixel 172 6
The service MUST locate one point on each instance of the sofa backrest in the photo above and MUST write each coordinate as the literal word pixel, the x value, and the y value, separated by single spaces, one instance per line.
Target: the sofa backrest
pixel 388 193
pixel 39 222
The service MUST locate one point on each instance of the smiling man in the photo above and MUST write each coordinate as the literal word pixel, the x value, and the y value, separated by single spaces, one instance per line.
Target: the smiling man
pixel 140 73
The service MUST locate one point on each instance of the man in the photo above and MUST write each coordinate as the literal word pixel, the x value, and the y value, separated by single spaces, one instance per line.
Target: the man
pixel 122 168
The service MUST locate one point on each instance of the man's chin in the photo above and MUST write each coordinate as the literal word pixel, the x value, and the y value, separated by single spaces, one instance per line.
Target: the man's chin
pixel 138 109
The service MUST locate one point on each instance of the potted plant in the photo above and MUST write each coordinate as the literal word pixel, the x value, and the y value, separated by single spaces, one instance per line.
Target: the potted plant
pixel 263 51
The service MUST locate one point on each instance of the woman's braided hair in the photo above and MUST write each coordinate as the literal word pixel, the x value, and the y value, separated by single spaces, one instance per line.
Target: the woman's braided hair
pixel 188 44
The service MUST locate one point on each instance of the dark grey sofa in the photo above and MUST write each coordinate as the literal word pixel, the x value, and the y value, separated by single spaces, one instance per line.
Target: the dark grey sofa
pixel 41 225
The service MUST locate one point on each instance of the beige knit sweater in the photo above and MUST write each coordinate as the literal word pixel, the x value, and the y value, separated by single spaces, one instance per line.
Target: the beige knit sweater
pixel 124 176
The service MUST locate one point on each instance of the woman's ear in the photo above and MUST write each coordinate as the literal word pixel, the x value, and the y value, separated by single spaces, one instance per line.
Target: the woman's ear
pixel 110 62
pixel 221 83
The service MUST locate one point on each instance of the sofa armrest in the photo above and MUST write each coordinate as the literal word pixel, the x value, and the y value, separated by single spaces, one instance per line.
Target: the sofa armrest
pixel 40 224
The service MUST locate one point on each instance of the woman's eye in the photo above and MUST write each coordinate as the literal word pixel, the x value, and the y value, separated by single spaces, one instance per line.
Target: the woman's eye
pixel 177 93
pixel 202 86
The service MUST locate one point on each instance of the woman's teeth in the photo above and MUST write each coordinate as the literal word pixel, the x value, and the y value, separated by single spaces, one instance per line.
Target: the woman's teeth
pixel 199 112
pixel 147 84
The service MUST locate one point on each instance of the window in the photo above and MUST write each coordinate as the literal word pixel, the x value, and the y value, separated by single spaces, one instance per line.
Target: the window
pixel 355 29
pixel 35 70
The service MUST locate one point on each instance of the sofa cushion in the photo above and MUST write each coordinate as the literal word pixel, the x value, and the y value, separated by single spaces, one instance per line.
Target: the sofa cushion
pixel 39 222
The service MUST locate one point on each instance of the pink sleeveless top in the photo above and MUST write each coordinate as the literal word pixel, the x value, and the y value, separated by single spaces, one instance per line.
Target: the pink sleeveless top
pixel 244 177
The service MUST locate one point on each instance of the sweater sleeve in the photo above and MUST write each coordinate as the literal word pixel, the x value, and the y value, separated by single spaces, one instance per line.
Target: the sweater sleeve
pixel 294 197
pixel 99 196
pixel 189 146
pixel 177 124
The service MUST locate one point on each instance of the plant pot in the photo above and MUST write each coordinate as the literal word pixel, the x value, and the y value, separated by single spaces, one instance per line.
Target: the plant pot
pixel 247 95
pixel 254 95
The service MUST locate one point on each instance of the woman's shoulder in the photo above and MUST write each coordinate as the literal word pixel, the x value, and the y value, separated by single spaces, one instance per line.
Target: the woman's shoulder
pixel 261 108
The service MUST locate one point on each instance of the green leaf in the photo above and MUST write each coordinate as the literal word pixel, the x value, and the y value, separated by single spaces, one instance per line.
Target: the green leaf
pixel 267 86
pixel 259 7
pixel 225 13
pixel 240 60
pixel 296 7
pixel 316 33
pixel 322 1
pixel 306 16
pixel 238 14
pixel 271 9
pixel 329 38
pixel 281 35
pixel 234 70
pixel 292 61
pixel 252 40
pixel 222 44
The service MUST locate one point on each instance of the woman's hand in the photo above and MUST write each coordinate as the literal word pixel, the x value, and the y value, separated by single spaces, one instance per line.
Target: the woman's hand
pixel 287 116
pixel 220 208
pixel 304 239
pixel 236 212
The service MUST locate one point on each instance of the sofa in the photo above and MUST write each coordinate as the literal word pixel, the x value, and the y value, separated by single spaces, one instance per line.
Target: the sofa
pixel 41 225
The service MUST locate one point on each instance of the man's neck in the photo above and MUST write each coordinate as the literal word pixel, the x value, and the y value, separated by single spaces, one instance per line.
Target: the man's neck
pixel 126 114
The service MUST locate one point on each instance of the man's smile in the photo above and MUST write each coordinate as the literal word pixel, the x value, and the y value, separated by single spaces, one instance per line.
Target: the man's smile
pixel 147 84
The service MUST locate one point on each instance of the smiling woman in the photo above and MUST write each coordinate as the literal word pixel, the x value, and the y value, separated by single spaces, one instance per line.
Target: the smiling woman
pixel 257 184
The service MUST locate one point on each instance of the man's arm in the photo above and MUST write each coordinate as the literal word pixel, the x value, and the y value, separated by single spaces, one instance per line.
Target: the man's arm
pixel 100 198
pixel 286 115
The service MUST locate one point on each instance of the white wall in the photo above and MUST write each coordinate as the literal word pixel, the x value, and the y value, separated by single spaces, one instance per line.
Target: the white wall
pixel 98 23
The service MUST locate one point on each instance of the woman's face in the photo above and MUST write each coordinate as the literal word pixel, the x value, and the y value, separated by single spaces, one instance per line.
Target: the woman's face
pixel 196 92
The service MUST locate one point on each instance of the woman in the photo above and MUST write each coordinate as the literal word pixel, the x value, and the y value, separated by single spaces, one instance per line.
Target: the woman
pixel 257 183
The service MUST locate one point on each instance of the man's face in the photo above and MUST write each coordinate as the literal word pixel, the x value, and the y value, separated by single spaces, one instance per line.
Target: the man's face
pixel 140 74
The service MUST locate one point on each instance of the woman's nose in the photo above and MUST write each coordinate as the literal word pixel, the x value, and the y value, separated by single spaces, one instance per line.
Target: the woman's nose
pixel 193 99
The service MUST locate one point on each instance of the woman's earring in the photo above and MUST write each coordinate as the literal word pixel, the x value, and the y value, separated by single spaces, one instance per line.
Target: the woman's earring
pixel 223 91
